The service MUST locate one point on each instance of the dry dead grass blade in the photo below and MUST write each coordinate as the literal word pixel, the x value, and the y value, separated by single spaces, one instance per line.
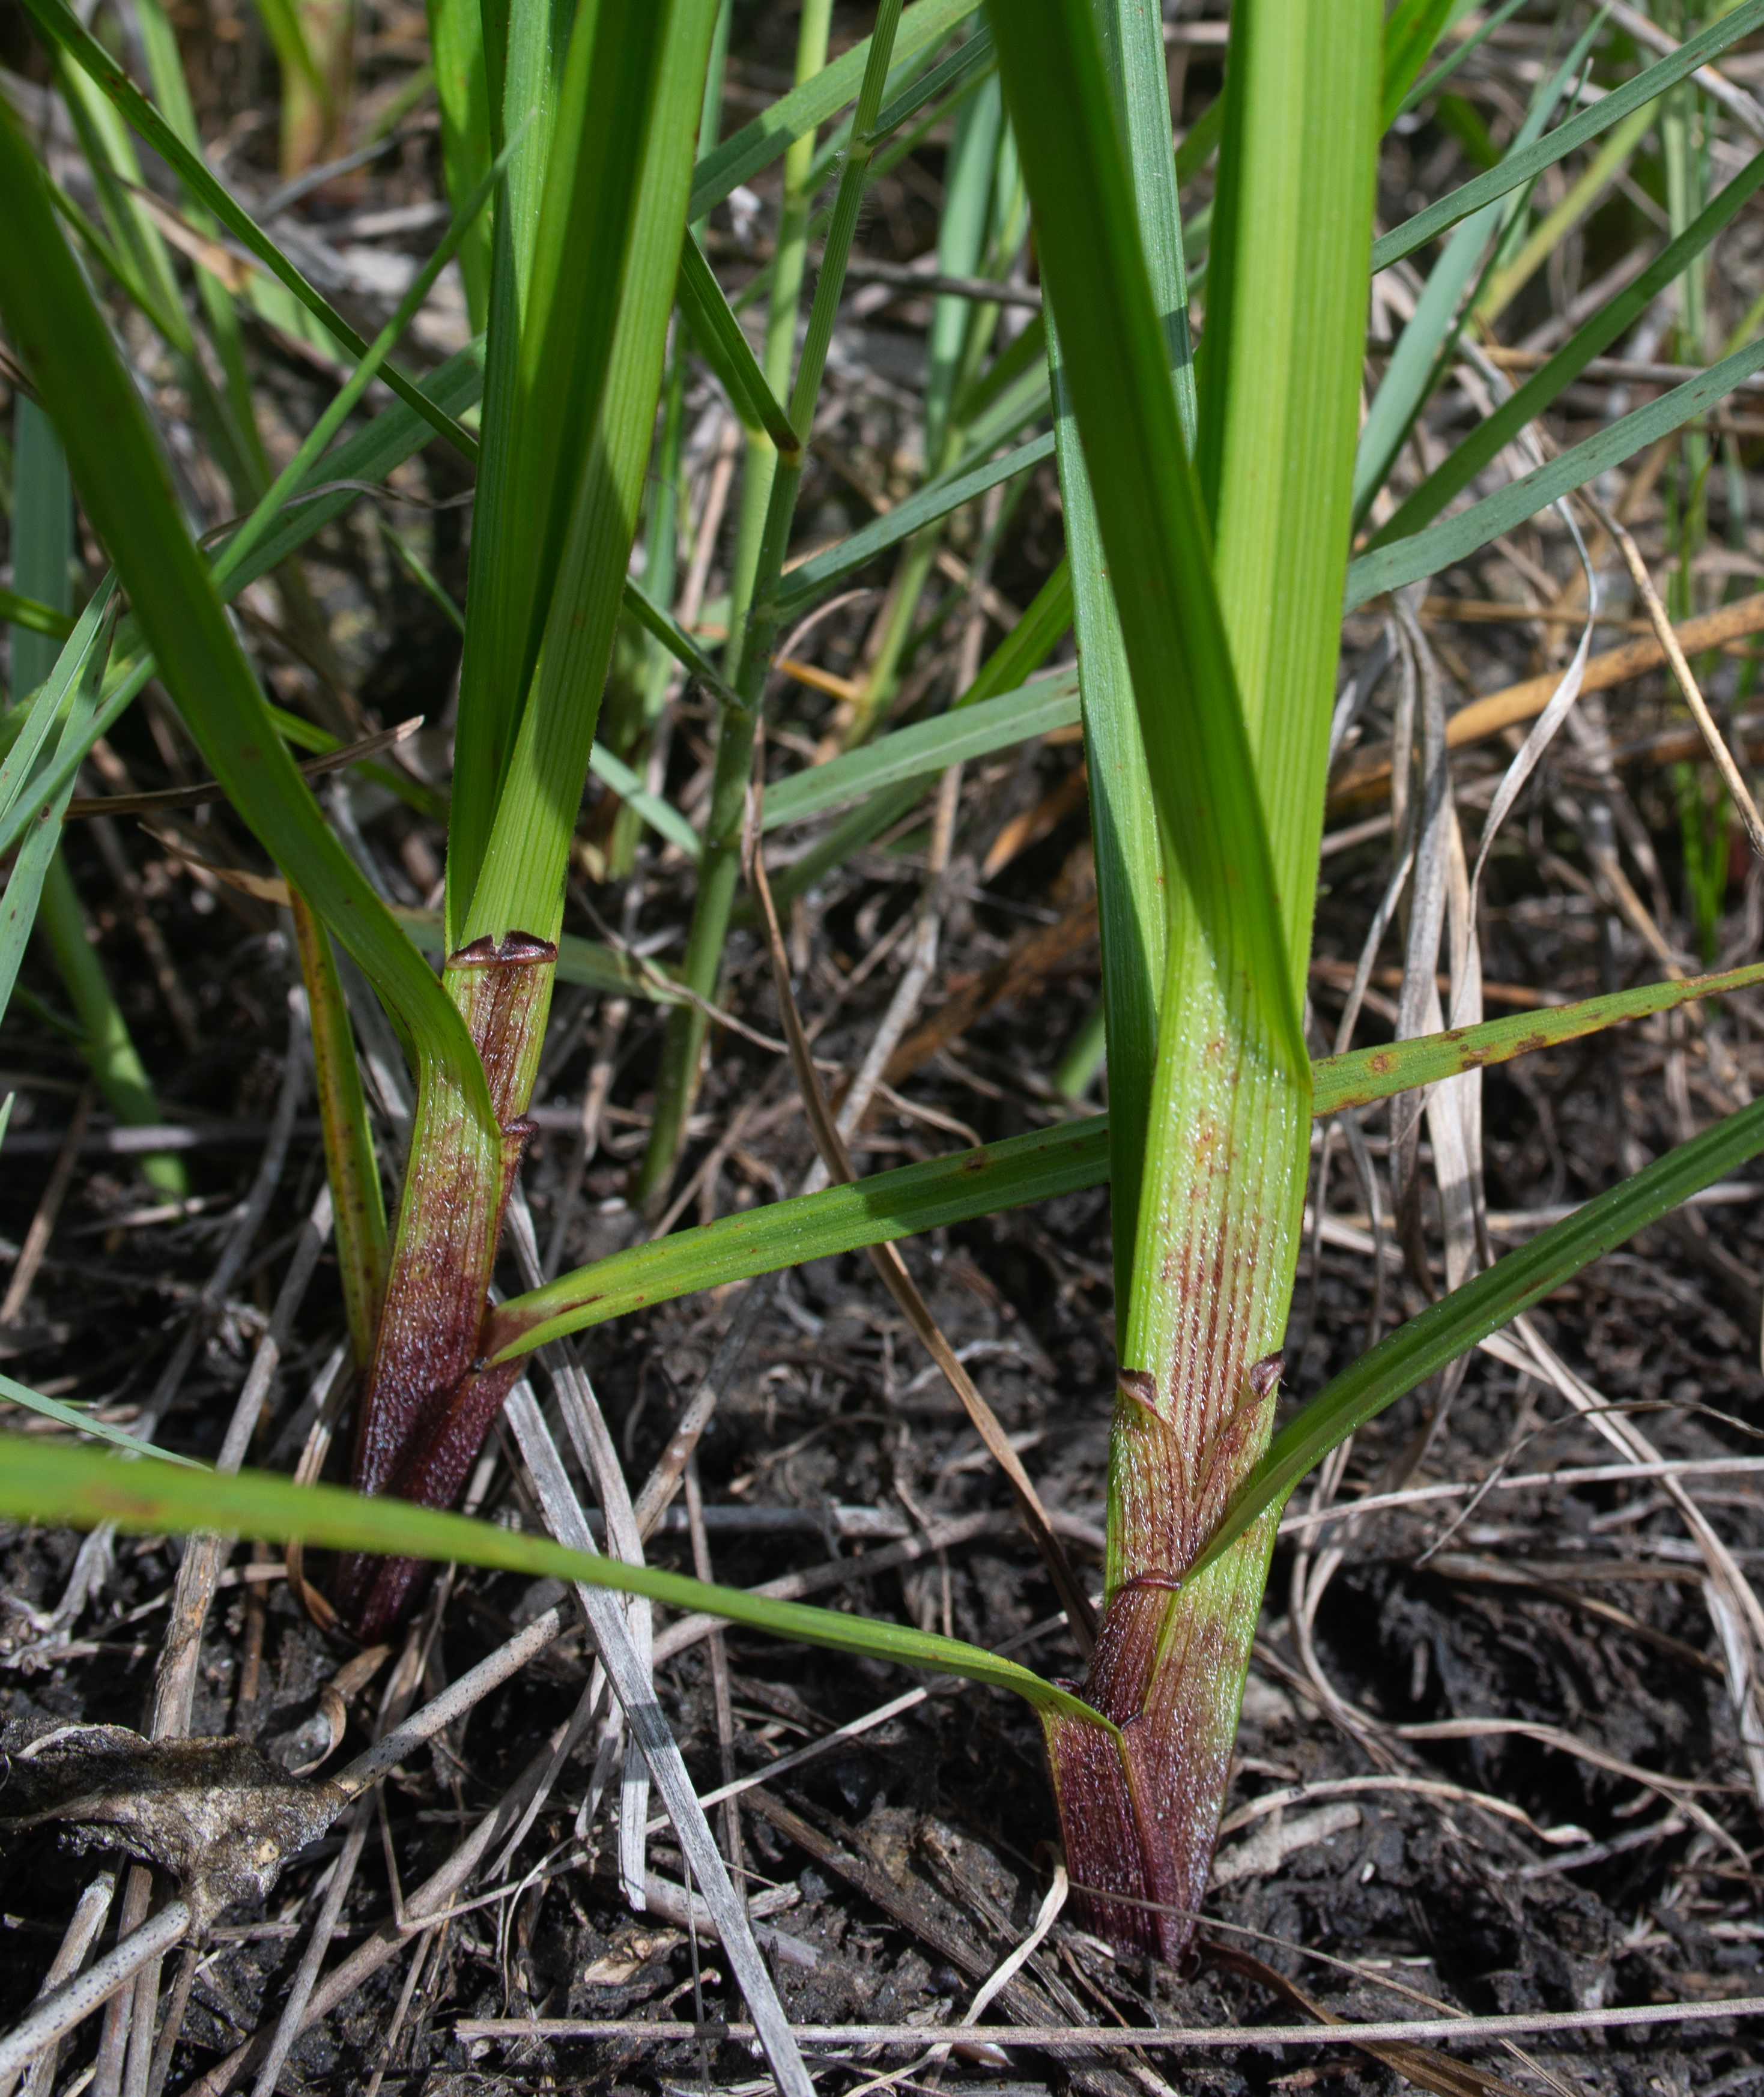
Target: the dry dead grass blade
pixel 892 1268
pixel 1367 770
pixel 1716 743
pixel 1030 960
pixel 1423 2066
pixel 37 1238
pixel 1058 2038
pixel 212 790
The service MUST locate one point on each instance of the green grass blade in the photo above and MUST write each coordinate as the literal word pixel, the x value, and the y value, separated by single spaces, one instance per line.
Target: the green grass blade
pixel 793 115
pixel 1426 553
pixel 461 88
pixel 1364 1074
pixel 1708 43
pixel 870 1211
pixel 1457 1322
pixel 679 643
pixel 367 457
pixel 357 1201
pixel 33 615
pixel 1448 66
pixel 338 410
pixel 926 748
pixel 105 1042
pixel 44 1483
pixel 1034 1167
pixel 32 727
pixel 604 276
pixel 727 351
pixel 71 1415
pixel 962 69
pixel 300 733
pixel 1416 365
pixel 815 578
pixel 1410 31
pixel 662 818
pixel 71 752
pixel 64 31
pixel 42 545
pixel 128 495
pixel 1486 440
pixel 1185 684
pixel 1130 878
pixel 1023 648
pixel 77 686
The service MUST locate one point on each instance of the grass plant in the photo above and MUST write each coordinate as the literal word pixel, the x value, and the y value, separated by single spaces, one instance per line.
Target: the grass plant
pixel 1211 499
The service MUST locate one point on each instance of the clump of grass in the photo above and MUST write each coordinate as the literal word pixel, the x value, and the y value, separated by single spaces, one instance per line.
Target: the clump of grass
pixel 1211 502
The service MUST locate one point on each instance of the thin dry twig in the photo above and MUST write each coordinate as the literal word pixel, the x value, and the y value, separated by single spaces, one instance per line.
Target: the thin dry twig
pixel 830 1142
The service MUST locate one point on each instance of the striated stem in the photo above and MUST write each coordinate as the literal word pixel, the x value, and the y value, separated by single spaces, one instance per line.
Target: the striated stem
pixel 428 1403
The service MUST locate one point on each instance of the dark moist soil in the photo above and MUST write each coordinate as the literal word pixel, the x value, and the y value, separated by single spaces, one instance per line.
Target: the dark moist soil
pixel 1579 1610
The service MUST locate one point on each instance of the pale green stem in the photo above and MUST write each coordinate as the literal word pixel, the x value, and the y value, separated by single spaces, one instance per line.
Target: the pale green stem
pixel 684 1047
pixel 790 258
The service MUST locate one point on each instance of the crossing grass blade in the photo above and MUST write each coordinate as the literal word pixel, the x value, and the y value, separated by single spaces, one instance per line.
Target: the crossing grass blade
pixel 1412 30
pixel 1426 553
pixel 1517 169
pixel 925 748
pixel 819 576
pixel 1038 1166
pixel 66 33
pixel 1484 443
pixel 793 115
pixel 1418 362
pixel 33 615
pixel 44 1482
pixel 462 90
pixel 727 351
pixel 358 1203
pixel 84 1423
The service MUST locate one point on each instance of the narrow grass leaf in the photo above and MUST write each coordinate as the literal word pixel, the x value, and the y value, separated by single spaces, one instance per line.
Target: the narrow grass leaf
pixel 66 32
pixel 1410 31
pixel 665 820
pixel 41 1482
pixel 1364 1074
pixel 1185 682
pixel 926 747
pixel 679 643
pixel 1426 553
pixel 604 272
pixel 1037 1166
pixel 964 68
pixel 814 578
pixel 1708 43
pixel 30 869
pixel 870 1211
pixel 1448 66
pixel 1416 364
pixel 358 1204
pixel 35 618
pixel 727 350
pixel 84 1423
pixel 126 487
pixel 758 144
pixel 1484 443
